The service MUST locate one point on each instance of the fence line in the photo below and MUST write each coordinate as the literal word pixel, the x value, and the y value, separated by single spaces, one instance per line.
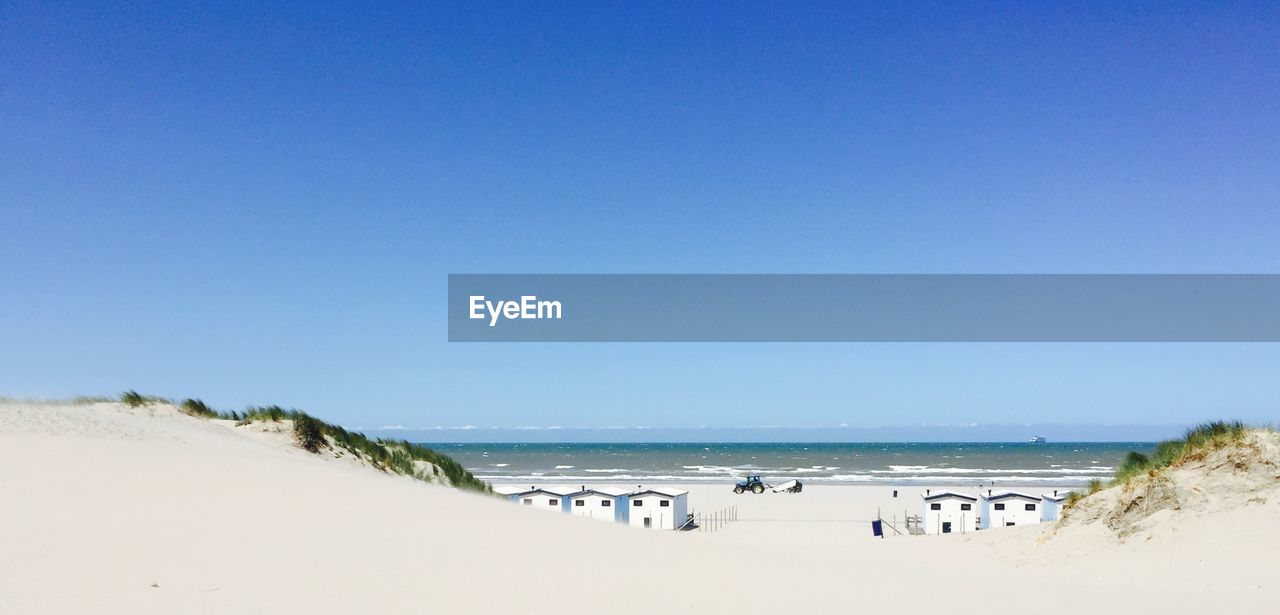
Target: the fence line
pixel 716 520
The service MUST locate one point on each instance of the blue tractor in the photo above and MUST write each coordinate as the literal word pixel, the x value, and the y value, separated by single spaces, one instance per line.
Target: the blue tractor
pixel 752 484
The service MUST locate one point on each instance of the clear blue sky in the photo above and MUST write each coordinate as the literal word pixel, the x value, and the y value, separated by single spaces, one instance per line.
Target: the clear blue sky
pixel 260 204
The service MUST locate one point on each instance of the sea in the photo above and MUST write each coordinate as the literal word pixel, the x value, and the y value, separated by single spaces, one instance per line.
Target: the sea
pixel 976 464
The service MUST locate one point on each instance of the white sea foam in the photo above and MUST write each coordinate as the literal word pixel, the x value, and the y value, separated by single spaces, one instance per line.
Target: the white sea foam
pixel 984 471
pixel 834 479
pixel 814 469
pixel 719 469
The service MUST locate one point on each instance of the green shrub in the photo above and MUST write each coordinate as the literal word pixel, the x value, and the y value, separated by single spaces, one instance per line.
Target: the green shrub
pixel 309 432
pixel 1135 463
pixel 1072 498
pixel 275 414
pixel 135 399
pixel 1208 436
pixel 1166 453
pixel 196 407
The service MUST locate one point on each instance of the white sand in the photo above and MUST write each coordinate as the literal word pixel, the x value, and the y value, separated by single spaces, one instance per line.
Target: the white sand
pixel 101 502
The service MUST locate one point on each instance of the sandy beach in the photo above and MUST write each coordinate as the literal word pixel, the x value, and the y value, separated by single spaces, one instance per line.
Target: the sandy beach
pixel 485 308
pixel 111 509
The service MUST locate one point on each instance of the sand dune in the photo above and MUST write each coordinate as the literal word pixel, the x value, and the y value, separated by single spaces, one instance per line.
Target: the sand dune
pixel 110 509
pixel 1240 479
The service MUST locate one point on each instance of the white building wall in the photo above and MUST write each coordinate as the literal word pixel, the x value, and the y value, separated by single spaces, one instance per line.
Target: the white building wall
pixel 593 506
pixel 542 501
pixel 1050 509
pixel 661 517
pixel 953 512
pixel 1015 512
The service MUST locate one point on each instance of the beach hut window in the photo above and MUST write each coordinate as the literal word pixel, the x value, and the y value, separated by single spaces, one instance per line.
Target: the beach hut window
pixel 664 503
pixel 551 502
pixel 579 502
pixel 606 503
pixel 999 506
pixel 639 502
pixel 528 501
pixel 966 507
pixel 935 506
pixel 1031 507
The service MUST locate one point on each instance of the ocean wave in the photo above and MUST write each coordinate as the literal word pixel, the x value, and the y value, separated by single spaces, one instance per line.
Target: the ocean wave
pixel 814 469
pixel 984 471
pixel 904 469
pixel 716 472
pixel 951 480
pixel 1065 480
pixel 710 469
pixel 736 470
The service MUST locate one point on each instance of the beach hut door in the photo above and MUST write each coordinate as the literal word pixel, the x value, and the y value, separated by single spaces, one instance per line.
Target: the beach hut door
pixel 946 527
pixel 648 521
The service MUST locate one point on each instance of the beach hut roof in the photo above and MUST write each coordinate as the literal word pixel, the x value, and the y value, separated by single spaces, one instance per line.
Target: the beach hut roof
pixel 670 492
pixel 612 492
pixel 1004 495
pixel 1058 496
pixel 510 490
pixel 945 493
pixel 557 490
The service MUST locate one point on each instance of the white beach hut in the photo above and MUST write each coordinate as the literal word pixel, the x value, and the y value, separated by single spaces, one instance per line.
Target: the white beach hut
pixel 1051 505
pixel 554 499
pixel 948 512
pixel 1005 508
pixel 658 507
pixel 510 492
pixel 603 503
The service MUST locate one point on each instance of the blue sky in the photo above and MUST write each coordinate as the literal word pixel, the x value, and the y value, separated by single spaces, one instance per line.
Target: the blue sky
pixel 260 204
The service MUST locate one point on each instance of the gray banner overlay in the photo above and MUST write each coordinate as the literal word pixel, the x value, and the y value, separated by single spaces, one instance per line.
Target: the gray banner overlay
pixel 863 308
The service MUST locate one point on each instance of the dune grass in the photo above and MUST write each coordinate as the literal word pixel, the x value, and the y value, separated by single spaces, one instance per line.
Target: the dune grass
pixel 1134 464
pixel 196 407
pixel 1195 444
pixel 135 399
pixel 309 432
pixel 314 435
pixel 1094 486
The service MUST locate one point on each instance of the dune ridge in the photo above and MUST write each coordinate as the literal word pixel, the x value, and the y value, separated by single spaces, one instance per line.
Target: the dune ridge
pixel 116 509
pixel 1234 475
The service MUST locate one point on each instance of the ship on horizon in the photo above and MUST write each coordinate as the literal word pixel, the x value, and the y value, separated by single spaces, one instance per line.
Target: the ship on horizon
pixel 1038 439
